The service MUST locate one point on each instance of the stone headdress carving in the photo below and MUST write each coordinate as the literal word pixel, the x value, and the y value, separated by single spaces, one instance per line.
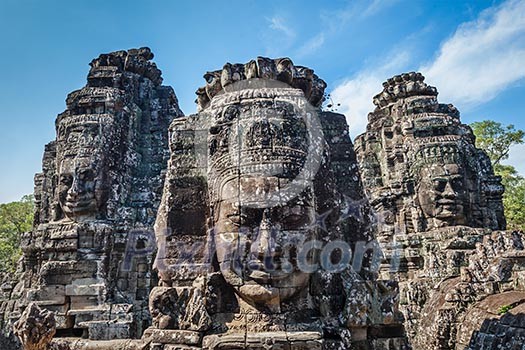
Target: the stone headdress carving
pixel 281 69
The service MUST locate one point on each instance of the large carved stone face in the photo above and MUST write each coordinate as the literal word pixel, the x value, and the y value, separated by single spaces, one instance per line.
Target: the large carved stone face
pixel 80 188
pixel 442 194
pixel 265 147
pixel 257 247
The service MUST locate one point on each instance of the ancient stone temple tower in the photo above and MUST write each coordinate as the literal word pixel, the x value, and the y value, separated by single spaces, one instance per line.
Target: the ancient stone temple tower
pixel 410 140
pixel 262 204
pixel 438 203
pixel 96 201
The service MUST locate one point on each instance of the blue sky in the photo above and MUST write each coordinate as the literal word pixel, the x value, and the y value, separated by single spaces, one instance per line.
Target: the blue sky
pixel 473 51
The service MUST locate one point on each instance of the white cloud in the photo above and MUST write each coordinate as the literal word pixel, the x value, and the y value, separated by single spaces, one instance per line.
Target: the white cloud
pixel 482 58
pixel 311 45
pixel 377 6
pixel 334 21
pixel 278 36
pixel 279 24
pixel 517 158
pixel 355 94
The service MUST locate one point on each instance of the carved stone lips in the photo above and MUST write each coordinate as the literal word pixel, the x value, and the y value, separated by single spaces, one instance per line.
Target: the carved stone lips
pixel 265 277
pixel 260 274
pixel 79 204
pixel 446 202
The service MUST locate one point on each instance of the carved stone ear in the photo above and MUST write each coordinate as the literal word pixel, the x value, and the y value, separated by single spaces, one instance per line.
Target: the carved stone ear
pixel 56 211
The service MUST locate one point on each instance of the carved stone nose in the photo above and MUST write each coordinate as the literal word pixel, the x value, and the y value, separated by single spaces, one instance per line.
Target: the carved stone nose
pixel 449 191
pixel 76 189
pixel 264 245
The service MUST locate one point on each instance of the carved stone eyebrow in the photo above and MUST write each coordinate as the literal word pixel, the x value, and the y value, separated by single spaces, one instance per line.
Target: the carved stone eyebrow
pixel 447 177
pixel 440 178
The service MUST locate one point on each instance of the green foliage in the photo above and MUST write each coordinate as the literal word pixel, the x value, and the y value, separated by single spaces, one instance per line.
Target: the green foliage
pixel 496 140
pixel 514 202
pixel 504 309
pixel 15 219
pixel 509 175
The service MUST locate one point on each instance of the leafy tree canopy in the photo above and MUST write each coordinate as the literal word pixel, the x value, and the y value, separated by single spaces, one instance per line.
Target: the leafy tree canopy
pixel 15 219
pixel 496 140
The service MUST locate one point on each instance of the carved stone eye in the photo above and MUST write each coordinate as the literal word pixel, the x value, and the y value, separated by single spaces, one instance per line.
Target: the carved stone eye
pixel 295 219
pixel 87 175
pixel 440 185
pixel 235 219
pixel 66 179
pixel 457 184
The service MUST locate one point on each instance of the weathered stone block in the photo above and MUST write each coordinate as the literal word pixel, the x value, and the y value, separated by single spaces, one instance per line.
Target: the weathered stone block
pixel 104 330
pixel 48 295
pixel 85 290
pixel 224 342
pixel 65 272
pixel 79 302
pixel 166 336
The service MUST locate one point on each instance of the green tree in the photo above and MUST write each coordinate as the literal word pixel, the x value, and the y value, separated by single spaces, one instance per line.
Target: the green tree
pixel 514 202
pixel 496 140
pixel 15 219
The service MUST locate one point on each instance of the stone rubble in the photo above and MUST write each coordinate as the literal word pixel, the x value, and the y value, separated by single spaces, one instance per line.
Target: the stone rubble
pixel 35 328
